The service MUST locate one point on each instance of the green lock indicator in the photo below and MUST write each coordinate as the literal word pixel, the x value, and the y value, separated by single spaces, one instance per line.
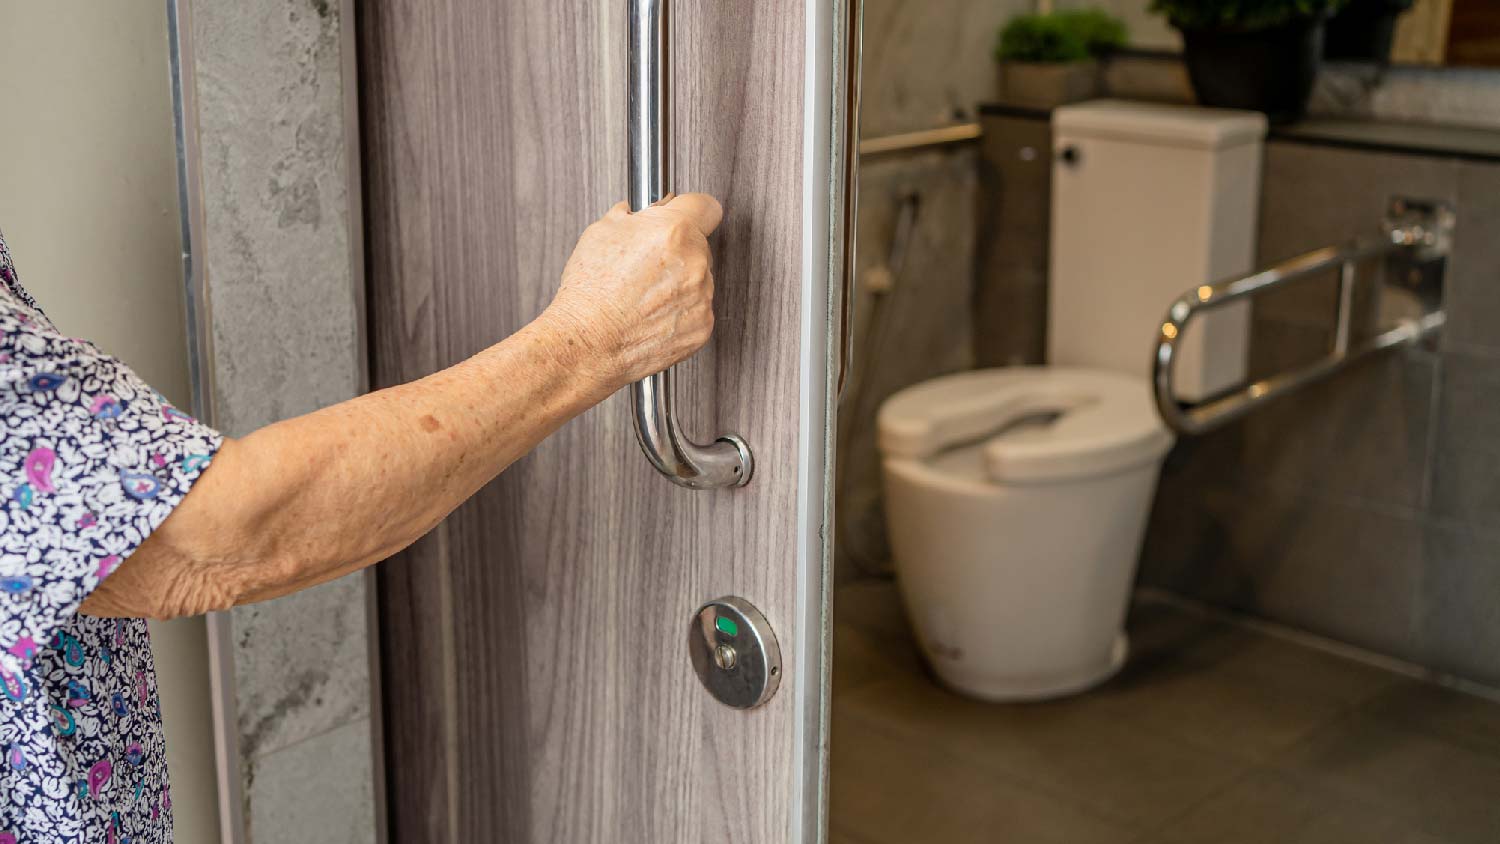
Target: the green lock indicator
pixel 726 625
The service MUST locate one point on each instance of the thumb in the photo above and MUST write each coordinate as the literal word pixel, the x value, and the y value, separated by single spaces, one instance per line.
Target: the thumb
pixel 700 209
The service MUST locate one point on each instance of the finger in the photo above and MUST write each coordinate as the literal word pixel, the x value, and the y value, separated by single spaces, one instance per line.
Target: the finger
pixel 701 209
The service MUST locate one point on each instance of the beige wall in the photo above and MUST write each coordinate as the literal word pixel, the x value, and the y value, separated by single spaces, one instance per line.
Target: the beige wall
pixel 88 203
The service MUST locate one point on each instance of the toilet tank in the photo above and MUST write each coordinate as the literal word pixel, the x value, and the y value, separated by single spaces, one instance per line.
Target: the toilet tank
pixel 1148 202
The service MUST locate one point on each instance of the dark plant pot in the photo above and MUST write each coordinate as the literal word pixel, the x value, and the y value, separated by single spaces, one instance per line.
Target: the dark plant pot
pixel 1364 30
pixel 1270 70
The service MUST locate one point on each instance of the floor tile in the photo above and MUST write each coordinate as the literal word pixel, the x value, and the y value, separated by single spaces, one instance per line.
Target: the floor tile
pixel 1270 807
pixel 1212 733
pixel 1217 709
pixel 1463 719
pixel 1073 749
pixel 1228 689
pixel 861 657
pixel 871 639
pixel 892 790
pixel 1442 787
pixel 1161 631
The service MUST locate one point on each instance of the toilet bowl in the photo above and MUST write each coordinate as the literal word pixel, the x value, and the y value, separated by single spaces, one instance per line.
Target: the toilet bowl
pixel 1016 503
pixel 1016 499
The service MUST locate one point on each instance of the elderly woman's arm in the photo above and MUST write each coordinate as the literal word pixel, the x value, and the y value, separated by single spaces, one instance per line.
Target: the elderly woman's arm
pixel 304 501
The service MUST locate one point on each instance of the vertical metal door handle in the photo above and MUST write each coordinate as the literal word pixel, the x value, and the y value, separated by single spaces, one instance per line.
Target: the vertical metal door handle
pixel 727 461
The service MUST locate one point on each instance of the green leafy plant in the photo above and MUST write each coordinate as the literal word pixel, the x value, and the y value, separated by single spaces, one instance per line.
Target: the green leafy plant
pixel 1101 32
pixel 1241 14
pixel 1040 38
pixel 1066 36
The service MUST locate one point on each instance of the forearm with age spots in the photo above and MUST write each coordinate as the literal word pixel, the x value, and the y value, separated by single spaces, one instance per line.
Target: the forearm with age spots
pixel 307 500
pixel 310 499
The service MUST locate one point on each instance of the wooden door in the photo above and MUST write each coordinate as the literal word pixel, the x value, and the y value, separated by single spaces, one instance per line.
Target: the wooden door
pixel 536 685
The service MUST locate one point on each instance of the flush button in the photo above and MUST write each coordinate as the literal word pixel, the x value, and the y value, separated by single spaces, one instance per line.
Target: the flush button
pixel 734 652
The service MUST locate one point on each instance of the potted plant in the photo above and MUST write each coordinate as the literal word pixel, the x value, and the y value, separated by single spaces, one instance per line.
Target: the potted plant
pixel 1364 30
pixel 1049 60
pixel 1252 54
pixel 1102 32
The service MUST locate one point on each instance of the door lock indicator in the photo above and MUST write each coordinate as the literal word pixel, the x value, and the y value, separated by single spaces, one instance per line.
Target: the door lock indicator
pixel 734 652
pixel 725 657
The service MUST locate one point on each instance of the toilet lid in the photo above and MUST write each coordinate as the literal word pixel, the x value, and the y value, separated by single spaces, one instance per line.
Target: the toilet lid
pixel 1025 423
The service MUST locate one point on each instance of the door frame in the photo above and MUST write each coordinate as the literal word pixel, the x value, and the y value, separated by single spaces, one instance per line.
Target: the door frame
pixel 830 161
pixel 199 271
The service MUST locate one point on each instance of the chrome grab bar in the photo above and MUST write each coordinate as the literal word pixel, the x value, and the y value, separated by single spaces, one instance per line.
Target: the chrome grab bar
pixel 920 140
pixel 727 462
pixel 1415 229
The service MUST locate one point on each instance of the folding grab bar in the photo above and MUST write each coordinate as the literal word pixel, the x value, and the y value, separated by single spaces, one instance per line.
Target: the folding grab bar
pixel 1413 229
pixel 726 462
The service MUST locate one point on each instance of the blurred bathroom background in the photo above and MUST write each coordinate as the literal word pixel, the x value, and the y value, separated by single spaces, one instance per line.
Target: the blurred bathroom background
pixel 1316 615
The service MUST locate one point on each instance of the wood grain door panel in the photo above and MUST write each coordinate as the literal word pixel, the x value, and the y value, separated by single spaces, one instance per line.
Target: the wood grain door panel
pixel 535 681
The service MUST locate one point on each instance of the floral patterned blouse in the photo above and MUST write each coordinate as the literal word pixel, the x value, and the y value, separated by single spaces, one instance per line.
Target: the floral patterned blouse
pixel 91 461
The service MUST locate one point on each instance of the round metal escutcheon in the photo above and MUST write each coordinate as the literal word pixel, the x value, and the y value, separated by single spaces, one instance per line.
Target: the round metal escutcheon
pixel 734 652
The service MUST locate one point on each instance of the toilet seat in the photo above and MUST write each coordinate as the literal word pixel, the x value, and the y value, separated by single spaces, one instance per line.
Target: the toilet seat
pixel 1024 425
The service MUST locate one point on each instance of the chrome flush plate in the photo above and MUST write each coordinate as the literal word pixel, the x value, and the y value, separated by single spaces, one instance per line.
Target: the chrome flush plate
pixel 734 652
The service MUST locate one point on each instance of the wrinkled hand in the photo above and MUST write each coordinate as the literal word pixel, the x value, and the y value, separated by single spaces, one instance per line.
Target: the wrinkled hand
pixel 638 290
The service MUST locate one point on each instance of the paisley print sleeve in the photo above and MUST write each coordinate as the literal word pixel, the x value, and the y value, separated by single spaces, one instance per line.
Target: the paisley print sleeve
pixel 92 460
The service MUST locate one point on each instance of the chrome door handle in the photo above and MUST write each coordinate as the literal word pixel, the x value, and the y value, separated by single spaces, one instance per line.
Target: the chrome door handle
pixel 727 461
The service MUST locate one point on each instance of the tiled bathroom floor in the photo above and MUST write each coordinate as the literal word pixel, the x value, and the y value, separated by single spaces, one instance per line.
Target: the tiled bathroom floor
pixel 1212 733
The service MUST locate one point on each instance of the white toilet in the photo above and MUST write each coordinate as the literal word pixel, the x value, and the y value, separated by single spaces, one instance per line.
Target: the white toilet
pixel 1017 498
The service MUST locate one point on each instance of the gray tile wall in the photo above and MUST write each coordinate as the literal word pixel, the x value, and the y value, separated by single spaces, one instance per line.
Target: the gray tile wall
pixel 1015 210
pixel 926 64
pixel 279 246
pixel 1362 508
pixel 916 329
